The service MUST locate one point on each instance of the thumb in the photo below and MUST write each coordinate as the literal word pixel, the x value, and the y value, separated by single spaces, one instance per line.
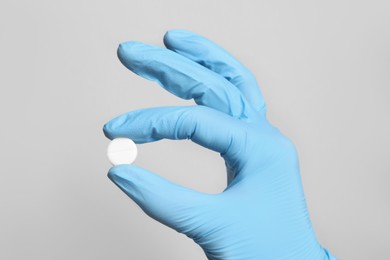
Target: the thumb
pixel 180 208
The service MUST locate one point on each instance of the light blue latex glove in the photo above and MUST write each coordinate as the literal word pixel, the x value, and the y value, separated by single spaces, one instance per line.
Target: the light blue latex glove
pixel 262 213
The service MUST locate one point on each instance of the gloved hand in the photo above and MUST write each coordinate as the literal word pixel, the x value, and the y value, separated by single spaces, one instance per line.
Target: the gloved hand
pixel 262 213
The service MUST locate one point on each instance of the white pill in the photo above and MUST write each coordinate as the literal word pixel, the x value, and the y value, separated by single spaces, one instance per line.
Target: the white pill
pixel 121 151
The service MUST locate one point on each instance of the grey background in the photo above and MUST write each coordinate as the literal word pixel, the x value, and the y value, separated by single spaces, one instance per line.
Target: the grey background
pixel 323 67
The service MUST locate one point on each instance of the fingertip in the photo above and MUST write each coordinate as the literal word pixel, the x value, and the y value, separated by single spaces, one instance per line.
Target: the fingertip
pixel 169 36
pixel 122 49
pixel 175 34
pixel 114 127
pixel 119 173
pixel 111 173
pixel 107 132
pixel 127 47
pixel 129 52
pixel 122 52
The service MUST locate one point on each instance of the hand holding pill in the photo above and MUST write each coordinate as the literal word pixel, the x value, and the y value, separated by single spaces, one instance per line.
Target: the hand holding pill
pixel 262 213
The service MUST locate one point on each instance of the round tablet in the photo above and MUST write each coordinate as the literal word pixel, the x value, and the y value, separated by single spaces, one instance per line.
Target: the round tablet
pixel 121 151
